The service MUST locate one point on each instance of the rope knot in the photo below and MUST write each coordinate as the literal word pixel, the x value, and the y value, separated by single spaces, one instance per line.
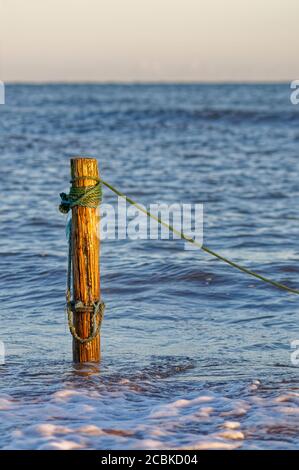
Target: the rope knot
pixel 83 196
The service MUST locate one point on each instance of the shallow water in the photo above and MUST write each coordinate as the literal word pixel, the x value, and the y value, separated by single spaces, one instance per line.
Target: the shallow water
pixel 195 354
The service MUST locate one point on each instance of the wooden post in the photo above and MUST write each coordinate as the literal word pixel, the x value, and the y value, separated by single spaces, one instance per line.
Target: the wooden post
pixel 85 261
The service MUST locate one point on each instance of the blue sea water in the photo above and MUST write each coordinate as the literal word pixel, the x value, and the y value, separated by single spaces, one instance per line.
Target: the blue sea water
pixel 194 353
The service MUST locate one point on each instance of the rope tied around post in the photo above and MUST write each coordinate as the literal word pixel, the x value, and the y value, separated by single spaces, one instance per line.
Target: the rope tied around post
pixel 96 309
pixel 91 197
pixel 85 196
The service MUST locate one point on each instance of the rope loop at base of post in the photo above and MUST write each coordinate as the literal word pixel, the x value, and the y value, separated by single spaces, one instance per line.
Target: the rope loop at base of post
pixel 97 309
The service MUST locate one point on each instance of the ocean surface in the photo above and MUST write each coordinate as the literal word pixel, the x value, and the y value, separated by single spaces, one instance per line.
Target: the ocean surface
pixel 195 355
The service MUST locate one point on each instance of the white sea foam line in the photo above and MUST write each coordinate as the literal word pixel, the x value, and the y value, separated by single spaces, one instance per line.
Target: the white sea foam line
pixel 270 413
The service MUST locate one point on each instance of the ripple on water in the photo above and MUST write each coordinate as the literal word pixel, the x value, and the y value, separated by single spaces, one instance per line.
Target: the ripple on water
pixel 195 354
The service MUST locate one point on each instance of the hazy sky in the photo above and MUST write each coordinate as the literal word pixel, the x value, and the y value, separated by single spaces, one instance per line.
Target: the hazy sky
pixel 144 40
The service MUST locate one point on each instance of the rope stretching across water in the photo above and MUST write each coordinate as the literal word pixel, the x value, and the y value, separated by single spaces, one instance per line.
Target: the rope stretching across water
pixel 203 247
pixel 90 196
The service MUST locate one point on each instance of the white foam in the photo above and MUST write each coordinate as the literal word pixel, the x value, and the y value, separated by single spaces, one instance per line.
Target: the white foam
pixel 90 429
pixel 232 435
pixel 214 445
pixel 129 419
pixel 48 429
pixel 65 394
pixel 231 425
pixel 61 445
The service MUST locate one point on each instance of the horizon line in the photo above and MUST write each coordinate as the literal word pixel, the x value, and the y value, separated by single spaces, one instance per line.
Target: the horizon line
pixel 147 82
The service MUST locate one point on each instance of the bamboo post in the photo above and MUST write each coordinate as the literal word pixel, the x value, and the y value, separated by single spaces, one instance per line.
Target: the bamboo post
pixel 85 261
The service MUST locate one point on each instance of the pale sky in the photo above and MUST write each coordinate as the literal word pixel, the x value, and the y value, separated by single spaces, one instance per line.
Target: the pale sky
pixel 149 40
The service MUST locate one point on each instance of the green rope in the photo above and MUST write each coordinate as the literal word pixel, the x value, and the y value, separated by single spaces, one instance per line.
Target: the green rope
pixel 204 248
pixel 91 197
pixel 83 196
pixel 88 196
pixel 97 311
